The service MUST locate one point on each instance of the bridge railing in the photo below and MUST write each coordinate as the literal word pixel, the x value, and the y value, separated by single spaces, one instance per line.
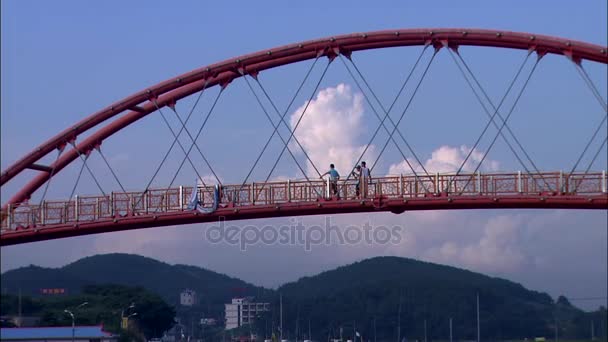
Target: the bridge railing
pixel 118 204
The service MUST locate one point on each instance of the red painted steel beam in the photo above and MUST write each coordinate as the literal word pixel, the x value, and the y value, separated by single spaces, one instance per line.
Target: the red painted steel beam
pixel 397 206
pixel 222 73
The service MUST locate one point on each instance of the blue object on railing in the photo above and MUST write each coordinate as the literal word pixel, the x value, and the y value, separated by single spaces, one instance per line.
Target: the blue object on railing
pixel 195 202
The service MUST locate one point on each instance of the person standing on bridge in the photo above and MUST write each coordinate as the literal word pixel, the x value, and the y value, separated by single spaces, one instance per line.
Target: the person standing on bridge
pixel 357 175
pixel 365 178
pixel 334 176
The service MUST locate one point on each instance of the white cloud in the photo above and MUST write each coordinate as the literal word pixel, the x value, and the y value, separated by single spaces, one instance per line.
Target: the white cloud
pixel 119 158
pixel 497 250
pixel 448 159
pixel 208 180
pixel 330 128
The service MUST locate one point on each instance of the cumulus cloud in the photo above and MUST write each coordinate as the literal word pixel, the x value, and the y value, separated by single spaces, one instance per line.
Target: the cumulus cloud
pixel 497 250
pixel 448 159
pixel 208 180
pixel 330 129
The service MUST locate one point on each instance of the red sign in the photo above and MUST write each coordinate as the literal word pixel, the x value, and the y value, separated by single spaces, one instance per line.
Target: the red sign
pixel 54 291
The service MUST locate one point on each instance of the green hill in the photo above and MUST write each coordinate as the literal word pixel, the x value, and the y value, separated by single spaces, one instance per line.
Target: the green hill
pixel 370 295
pixel 428 294
pixel 213 289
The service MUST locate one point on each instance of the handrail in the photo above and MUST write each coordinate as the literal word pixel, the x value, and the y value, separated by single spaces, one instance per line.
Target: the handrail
pixel 137 203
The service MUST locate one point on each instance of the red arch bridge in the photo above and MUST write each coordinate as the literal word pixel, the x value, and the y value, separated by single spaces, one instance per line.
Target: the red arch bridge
pixel 25 220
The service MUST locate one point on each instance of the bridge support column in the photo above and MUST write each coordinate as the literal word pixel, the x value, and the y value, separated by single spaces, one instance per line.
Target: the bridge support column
pixel 519 182
pixel 288 191
pixel 252 193
pixel 42 213
pixel 561 182
pixel 112 211
pixel 76 209
pixel 181 197
pixel 401 185
pixel 479 182
pixel 327 189
pixel 10 216
pixel 97 211
pixel 437 182
pixel 145 199
pixel 604 181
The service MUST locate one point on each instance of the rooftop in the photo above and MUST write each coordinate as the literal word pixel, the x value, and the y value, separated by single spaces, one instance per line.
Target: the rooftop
pixel 83 332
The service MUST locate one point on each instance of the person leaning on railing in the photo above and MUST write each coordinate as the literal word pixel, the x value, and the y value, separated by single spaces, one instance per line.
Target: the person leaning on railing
pixel 334 176
pixel 357 175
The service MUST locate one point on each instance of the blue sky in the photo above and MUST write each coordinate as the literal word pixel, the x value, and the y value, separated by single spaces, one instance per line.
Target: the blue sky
pixel 62 60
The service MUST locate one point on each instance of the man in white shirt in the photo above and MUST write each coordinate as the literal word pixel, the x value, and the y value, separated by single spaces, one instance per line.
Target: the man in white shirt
pixel 365 178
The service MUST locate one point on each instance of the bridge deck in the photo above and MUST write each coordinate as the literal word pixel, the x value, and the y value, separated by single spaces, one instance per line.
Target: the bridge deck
pixel 161 207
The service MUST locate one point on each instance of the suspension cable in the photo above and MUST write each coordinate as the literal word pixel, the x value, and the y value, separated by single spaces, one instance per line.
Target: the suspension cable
pixel 197 148
pixel 424 73
pixel 591 85
pixel 76 183
pixel 482 89
pixel 176 137
pixel 485 129
pixel 502 125
pixel 297 124
pixel 84 160
pixel 292 132
pixel 48 182
pixel 169 150
pixel 597 130
pixel 597 153
pixel 276 127
pixel 408 104
pixel 384 126
pixel 389 110
pixel 391 121
pixel 111 170
pixel 282 117
pixel 272 135
pixel 198 133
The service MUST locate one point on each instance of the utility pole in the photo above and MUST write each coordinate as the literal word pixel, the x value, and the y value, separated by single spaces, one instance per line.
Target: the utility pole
pixel 375 329
pixel 556 327
pixel 19 307
pixel 74 318
pixel 297 322
pixel 425 330
pixel 399 320
pixel 309 335
pixel 478 330
pixel 450 329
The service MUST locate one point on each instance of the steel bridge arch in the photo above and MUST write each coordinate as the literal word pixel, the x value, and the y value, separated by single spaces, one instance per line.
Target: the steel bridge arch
pixel 167 93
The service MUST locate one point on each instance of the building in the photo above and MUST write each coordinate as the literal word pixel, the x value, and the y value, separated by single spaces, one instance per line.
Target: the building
pixel 43 334
pixel 208 321
pixel 243 311
pixel 20 321
pixel 187 297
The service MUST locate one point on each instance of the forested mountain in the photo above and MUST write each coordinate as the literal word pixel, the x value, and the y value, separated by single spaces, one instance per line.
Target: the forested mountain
pixel 213 289
pixel 149 316
pixel 402 296
pixel 385 297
